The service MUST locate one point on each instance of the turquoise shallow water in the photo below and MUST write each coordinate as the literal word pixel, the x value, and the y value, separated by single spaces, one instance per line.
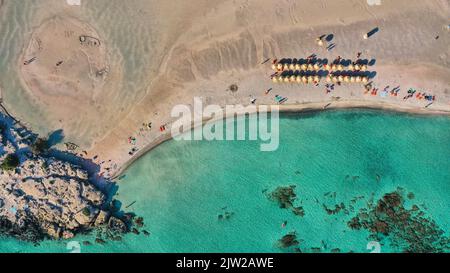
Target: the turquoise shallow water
pixel 180 188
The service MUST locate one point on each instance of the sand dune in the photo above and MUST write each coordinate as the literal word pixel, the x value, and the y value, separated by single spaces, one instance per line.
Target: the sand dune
pixel 159 54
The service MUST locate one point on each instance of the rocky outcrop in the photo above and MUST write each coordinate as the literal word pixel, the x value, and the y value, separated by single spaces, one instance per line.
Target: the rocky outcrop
pixel 46 197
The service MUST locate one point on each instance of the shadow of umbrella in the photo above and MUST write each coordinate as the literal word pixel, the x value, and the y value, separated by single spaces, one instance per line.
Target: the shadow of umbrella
pixel 370 33
pixel 329 37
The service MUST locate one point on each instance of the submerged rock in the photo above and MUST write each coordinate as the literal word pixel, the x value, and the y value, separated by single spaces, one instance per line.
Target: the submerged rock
pixel 404 228
pixel 288 240
pixel 285 198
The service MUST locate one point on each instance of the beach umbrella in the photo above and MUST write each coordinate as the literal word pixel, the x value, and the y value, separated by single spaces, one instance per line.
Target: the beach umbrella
pixel 310 67
pixel 280 66
pixel 310 79
pixel 274 66
pixel 340 67
pixel 357 67
pixel 316 67
pixel 316 78
pixel 292 78
pixel 334 67
pixel 298 79
pixel 274 79
pixel 286 79
pixel 358 79
pixel 328 78
pixel 304 67
pixel 334 79
pixel 363 67
pixel 286 67
pixel 340 78
pixel 305 79
pixel 365 79
pixel 352 79
pixel 297 66
pixel 280 78
pixel 351 67
pixel 346 79
pixel 292 66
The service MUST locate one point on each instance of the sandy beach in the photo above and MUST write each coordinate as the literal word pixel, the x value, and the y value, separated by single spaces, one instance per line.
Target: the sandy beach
pixel 92 90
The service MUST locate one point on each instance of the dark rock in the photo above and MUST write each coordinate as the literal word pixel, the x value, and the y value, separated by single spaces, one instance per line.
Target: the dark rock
pixel 100 241
pixel 117 225
pixel 135 231
pixel 288 240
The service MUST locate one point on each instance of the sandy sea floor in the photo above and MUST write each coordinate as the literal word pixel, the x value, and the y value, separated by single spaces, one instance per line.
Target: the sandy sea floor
pixel 333 158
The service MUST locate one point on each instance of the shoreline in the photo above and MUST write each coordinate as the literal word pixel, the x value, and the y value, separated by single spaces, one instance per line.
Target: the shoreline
pixel 294 108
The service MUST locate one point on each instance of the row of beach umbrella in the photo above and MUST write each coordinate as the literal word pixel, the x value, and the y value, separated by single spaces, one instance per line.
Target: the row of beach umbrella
pixel 315 79
pixel 316 67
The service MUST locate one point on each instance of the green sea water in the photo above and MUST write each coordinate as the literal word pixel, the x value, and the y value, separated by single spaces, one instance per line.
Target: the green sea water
pixel 181 187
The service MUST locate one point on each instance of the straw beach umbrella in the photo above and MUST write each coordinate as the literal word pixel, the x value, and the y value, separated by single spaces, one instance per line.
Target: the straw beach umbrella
pixel 304 67
pixel 280 79
pixel 347 79
pixel 334 79
pixel 310 67
pixel 304 79
pixel 274 79
pixel 365 79
pixel 310 79
pixel 328 78
pixel 358 79
pixel 298 79
pixel 363 67
pixel 340 78
pixel 291 66
pixel 340 67
pixel 292 78
pixel 280 66
pixel 286 79
pixel 316 78
pixel 316 67
pixel 274 66
pixel 297 66
pixel 319 41
pixel 286 67
pixel 352 79
pixel 351 67
pixel 357 67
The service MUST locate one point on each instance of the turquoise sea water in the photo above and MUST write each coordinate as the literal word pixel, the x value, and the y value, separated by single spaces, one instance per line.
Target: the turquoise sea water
pixel 181 188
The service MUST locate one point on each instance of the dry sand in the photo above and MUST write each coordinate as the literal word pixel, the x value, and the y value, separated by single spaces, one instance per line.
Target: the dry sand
pixel 199 48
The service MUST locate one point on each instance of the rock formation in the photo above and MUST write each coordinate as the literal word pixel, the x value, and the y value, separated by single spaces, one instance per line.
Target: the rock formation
pixel 45 197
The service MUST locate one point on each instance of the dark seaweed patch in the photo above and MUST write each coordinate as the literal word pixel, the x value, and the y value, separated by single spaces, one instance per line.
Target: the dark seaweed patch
pixel 407 229
pixel 285 198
